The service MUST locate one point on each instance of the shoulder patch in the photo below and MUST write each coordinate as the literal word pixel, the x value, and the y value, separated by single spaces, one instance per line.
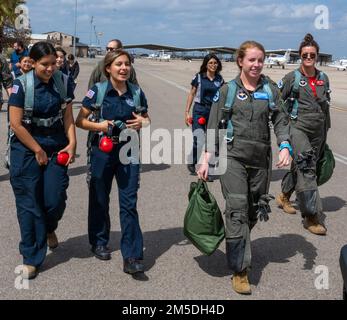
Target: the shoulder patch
pixel 303 83
pixel 90 94
pixel 242 95
pixel 280 84
pixel 130 102
pixel 15 89
pixel 217 84
pixel 216 97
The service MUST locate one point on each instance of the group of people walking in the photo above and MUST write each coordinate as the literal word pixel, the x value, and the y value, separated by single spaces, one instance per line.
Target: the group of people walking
pixel 298 107
pixel 41 120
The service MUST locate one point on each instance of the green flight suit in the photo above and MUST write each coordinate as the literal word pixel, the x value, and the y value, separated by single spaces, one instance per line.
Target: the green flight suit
pixel 308 133
pixel 247 177
pixel 6 79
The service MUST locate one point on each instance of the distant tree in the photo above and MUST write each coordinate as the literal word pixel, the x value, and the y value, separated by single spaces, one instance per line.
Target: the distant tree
pixel 9 21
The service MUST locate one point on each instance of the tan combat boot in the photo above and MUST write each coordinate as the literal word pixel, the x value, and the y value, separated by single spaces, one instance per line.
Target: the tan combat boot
pixel 52 240
pixel 313 225
pixel 29 272
pixel 240 283
pixel 283 202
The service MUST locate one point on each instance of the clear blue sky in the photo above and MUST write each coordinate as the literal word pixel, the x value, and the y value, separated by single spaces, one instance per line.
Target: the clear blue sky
pixel 191 23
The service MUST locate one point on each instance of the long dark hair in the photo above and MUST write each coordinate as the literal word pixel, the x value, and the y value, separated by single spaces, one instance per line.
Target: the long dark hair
pixel 308 42
pixel 203 68
pixel 41 49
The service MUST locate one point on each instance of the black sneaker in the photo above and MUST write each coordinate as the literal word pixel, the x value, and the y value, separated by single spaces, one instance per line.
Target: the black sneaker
pixel 101 252
pixel 133 266
pixel 191 169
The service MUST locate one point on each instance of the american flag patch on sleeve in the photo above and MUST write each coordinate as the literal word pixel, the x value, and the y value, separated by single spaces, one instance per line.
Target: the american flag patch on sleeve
pixel 90 94
pixel 15 89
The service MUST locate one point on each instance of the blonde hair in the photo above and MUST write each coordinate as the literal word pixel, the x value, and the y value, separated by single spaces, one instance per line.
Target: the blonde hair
pixel 241 52
pixel 111 56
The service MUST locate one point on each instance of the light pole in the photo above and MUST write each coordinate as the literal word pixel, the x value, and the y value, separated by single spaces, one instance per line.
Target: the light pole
pixel 74 38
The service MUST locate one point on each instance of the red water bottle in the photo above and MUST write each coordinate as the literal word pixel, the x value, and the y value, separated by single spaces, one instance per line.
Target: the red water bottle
pixel 62 158
pixel 106 143
pixel 202 121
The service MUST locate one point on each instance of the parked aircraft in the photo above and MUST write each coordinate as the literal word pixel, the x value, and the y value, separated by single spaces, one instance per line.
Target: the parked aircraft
pixel 340 65
pixel 278 60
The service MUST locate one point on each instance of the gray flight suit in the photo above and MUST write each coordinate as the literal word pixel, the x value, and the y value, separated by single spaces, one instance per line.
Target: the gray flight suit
pixel 245 184
pixel 308 133
pixel 99 76
pixel 6 79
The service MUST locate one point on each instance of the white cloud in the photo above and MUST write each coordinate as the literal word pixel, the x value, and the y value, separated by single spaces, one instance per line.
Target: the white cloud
pixel 280 11
pixel 192 22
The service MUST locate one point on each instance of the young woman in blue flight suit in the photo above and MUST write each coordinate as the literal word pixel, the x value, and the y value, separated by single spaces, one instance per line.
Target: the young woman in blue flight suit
pixel 118 105
pixel 205 87
pixel 39 183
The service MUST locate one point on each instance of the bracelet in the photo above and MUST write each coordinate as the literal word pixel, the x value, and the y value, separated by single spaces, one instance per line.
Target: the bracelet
pixel 286 145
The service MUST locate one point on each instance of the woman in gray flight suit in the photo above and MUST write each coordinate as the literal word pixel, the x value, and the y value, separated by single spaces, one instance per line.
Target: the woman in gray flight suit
pixel 245 183
pixel 307 105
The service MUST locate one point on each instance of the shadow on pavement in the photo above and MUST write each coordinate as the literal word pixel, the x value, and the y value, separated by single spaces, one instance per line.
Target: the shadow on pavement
pixel 154 167
pixel 77 171
pixel 156 243
pixel 5 177
pixel 215 265
pixel 332 204
pixel 264 251
pixel 279 250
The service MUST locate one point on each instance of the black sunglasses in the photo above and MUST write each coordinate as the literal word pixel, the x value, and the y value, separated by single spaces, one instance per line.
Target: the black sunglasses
pixel 111 49
pixel 309 55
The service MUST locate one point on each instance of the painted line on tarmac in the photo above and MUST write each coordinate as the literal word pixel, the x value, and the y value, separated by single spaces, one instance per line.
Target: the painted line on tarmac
pixel 340 158
pixel 339 109
pixel 176 85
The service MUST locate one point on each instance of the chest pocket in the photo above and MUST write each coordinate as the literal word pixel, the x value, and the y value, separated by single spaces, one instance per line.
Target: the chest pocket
pixel 120 109
pixel 47 102
pixel 260 106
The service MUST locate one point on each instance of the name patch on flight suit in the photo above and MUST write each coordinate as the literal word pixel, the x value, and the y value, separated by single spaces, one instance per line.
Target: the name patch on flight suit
pixel 242 96
pixel 130 102
pixel 260 96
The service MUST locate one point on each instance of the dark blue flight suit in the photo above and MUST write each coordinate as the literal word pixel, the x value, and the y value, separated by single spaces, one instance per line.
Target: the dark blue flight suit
pixel 206 91
pixel 106 166
pixel 40 191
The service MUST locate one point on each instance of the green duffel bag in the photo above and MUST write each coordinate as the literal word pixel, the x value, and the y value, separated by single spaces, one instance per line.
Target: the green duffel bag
pixel 203 222
pixel 325 166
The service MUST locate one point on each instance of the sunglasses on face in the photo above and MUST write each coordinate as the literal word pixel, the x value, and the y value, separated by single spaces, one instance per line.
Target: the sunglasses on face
pixel 111 49
pixel 309 56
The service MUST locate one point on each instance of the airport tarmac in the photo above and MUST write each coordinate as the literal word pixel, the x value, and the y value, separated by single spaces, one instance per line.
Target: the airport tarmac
pixel 288 262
